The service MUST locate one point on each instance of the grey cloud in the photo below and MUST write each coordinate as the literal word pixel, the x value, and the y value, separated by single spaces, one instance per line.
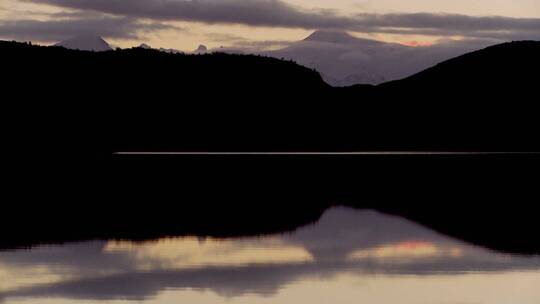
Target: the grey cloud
pixel 253 12
pixel 239 43
pixel 448 21
pixel 237 281
pixel 9 11
pixel 59 29
pixel 497 34
pixel 277 13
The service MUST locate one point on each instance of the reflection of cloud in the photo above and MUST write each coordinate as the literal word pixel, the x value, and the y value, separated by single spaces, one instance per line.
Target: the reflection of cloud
pixel 14 277
pixel 400 251
pixel 193 253
pixel 344 241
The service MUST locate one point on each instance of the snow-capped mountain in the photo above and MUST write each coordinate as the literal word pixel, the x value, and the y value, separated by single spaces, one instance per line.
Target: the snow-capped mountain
pixel 170 51
pixel 202 49
pixel 343 59
pixel 86 43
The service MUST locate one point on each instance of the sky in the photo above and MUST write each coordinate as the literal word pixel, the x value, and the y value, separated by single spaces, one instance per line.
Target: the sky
pixel 184 24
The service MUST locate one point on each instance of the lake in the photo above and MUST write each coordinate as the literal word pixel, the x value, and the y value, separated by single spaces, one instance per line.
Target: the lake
pixel 347 256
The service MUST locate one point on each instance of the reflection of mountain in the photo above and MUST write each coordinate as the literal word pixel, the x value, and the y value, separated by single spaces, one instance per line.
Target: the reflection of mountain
pixel 341 231
pixel 363 244
pixel 346 60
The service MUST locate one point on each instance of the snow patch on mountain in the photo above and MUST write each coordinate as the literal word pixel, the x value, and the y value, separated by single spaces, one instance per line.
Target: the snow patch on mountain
pixel 86 43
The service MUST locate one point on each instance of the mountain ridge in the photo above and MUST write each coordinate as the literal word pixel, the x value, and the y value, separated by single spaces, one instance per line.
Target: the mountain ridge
pixel 295 99
pixel 334 36
pixel 345 60
pixel 341 58
pixel 485 66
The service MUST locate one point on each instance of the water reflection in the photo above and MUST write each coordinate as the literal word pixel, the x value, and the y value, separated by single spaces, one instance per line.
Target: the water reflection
pixel 348 256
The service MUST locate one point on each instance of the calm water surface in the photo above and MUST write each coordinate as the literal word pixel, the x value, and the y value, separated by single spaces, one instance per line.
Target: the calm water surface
pixel 349 256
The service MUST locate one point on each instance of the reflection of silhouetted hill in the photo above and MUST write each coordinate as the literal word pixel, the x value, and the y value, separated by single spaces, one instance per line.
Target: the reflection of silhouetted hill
pixel 71 109
pixel 486 200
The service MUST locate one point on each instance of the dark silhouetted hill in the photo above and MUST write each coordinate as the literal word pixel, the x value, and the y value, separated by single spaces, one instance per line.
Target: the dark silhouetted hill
pixel 484 100
pixel 507 68
pixel 146 100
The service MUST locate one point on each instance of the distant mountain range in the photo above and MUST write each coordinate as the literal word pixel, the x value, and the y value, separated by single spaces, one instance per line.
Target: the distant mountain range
pixel 342 59
pixel 345 60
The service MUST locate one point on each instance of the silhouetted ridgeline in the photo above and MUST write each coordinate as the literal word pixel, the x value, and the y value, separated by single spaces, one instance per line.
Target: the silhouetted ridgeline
pixel 507 69
pixel 72 109
pixel 144 100
pixel 483 100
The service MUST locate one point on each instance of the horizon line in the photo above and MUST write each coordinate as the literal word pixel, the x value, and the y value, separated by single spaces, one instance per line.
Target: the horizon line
pixel 335 153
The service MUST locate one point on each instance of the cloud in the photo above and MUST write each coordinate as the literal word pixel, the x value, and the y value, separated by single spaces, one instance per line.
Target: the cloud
pixel 277 13
pixel 240 43
pixel 273 13
pixel 265 280
pixel 63 28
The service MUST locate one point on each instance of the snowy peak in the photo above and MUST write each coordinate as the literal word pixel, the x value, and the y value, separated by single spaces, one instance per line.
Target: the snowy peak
pixel 86 43
pixel 339 37
pixel 331 36
pixel 201 49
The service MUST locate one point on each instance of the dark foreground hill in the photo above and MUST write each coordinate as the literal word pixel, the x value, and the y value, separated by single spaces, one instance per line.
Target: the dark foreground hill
pixel 483 100
pixel 508 69
pixel 146 100
pixel 68 111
